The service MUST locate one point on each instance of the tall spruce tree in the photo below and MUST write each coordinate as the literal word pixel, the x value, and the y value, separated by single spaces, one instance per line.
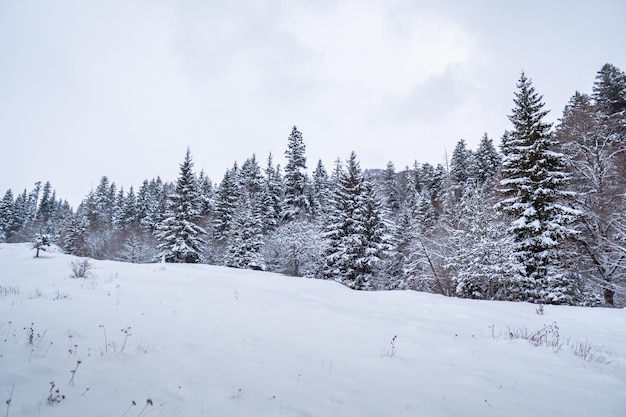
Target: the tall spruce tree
pixel 487 160
pixel 390 188
pixel 609 90
pixel 245 237
pixel 272 189
pixel 9 223
pixel 151 200
pixel 355 232
pixel 180 235
pixel 462 163
pixel 296 200
pixel 46 209
pixel 534 191
pixel 225 208
pixel 320 190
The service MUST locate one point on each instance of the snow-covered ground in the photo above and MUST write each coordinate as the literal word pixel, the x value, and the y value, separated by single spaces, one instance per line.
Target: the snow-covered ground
pixel 198 340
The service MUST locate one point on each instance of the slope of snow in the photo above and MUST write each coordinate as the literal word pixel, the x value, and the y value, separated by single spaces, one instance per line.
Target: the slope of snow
pixel 198 340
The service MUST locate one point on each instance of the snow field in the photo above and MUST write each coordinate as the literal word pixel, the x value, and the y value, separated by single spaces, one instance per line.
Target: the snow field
pixel 199 340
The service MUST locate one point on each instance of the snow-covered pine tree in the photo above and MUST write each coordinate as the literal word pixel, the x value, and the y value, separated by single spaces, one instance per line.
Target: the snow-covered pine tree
pixel 398 259
pixel 31 205
pixel 41 242
pixel 461 164
pixel 320 190
pixel 296 202
pixel 272 188
pixel 46 210
pixel 206 194
pixel 412 193
pixel 9 223
pixel 487 160
pixel 151 201
pixel 245 236
pixel 375 238
pixel 75 235
pixel 129 214
pixel 180 237
pixel 389 188
pixel 118 210
pixel 609 90
pixel 21 216
pixel 355 231
pixel 483 258
pixel 101 205
pixel 534 187
pixel 225 208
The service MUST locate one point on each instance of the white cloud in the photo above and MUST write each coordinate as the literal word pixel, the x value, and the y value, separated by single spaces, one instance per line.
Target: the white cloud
pixel 377 49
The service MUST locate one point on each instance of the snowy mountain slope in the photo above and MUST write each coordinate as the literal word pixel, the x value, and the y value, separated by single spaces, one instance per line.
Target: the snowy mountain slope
pixel 198 340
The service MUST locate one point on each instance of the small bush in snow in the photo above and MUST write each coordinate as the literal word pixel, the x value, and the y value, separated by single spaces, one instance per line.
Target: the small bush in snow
pixel 41 242
pixel 81 269
pixel 547 336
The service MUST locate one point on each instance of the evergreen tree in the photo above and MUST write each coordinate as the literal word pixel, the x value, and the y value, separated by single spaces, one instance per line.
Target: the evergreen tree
pixel 272 188
pixel 396 264
pixel 412 194
pixel 533 185
pixel 32 204
pixel 245 235
pixel 461 164
pixel 609 90
pixel 390 188
pixel 151 201
pixel 45 211
pixel 180 236
pixel 320 190
pixel 41 242
pixel 206 194
pixel 226 200
pixel 118 210
pixel 75 240
pixel 355 231
pixel 9 222
pixel 482 262
pixel 295 202
pixel 245 238
pixel 250 178
pixel 487 160
pixel 129 215
pixel 22 215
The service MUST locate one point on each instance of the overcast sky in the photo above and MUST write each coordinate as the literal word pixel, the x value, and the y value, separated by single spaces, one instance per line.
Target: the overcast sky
pixel 122 88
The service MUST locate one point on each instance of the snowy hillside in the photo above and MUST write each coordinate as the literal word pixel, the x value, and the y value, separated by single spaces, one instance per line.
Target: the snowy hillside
pixel 196 340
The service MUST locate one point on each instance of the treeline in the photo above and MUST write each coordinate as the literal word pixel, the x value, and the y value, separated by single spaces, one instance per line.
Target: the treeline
pixel 542 219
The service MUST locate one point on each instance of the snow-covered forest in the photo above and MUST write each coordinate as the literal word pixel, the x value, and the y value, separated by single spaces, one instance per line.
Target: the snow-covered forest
pixel 539 215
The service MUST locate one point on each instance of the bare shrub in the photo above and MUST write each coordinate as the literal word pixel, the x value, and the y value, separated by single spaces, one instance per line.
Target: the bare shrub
pixel 82 268
pixel 589 352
